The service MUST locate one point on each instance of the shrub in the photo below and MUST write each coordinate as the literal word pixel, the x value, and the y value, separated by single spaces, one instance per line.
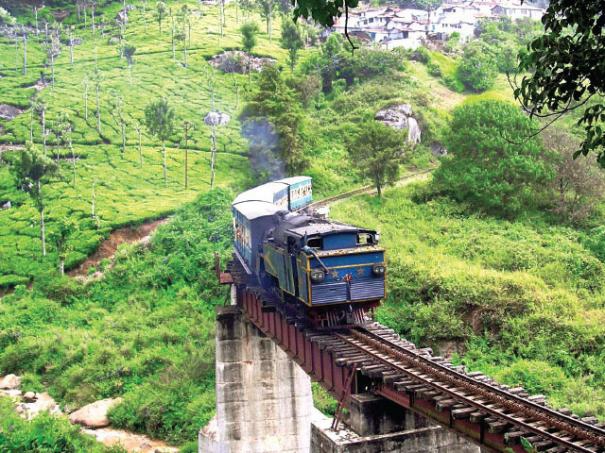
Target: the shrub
pixel 422 55
pixel 478 68
pixel 434 69
pixel 486 165
pixel 44 433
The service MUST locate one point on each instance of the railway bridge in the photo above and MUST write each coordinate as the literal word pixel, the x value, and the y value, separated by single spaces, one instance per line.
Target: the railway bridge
pixel 393 397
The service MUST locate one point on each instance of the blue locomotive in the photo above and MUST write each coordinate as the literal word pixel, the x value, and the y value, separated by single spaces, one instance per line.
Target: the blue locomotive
pixel 327 272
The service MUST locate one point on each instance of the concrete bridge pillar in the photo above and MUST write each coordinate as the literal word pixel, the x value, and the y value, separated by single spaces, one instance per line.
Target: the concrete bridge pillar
pixel 263 398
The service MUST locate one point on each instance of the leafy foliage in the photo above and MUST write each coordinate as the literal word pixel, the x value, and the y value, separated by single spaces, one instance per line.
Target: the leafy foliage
pixel 562 70
pixel 377 152
pixel 272 122
pixel 45 433
pixel 579 184
pixel 249 31
pixel 291 40
pixel 478 68
pixel 488 167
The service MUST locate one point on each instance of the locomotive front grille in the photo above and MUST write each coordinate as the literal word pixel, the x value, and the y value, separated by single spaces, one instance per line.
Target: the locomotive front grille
pixel 367 289
pixel 329 293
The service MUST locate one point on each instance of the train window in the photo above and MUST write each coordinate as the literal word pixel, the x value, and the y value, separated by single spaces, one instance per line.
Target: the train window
pixel 365 239
pixel 314 243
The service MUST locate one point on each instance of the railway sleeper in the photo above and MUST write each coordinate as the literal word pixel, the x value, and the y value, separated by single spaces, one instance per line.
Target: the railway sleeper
pixel 391 377
pixel 477 417
pixel 464 413
pixel 496 425
pixel 514 437
pixel 445 404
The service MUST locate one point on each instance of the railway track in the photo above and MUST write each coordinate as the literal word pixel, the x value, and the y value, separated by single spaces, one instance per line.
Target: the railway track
pixel 396 364
pixel 367 189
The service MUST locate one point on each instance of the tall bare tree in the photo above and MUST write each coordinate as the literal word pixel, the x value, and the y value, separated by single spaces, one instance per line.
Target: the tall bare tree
pixel 187 127
pixel 32 169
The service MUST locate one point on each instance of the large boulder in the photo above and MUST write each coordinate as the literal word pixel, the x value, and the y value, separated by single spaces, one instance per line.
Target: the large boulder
pixel 239 62
pixel 94 415
pixel 400 117
pixel 10 382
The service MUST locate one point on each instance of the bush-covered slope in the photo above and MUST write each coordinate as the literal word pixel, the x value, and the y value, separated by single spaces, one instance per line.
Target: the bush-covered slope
pixel 145 331
pixel 525 298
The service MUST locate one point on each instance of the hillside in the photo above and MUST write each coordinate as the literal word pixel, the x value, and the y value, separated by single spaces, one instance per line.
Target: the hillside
pixel 521 299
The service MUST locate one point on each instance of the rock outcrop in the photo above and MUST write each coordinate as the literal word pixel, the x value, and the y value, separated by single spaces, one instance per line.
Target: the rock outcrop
pixel 9 112
pixel 400 117
pixel 239 62
pixel 94 415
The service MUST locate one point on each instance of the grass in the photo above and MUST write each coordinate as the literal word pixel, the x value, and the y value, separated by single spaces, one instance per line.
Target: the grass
pixel 525 297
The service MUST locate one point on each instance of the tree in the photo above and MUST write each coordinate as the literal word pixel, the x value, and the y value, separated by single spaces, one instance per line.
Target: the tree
pixel 291 40
pixel 117 104
pixel 63 129
pixel 65 227
pixel 98 79
pixel 563 69
pixel 32 169
pixel 85 84
pixel 186 18
pixel 376 153
pixel 267 11
pixel 139 130
pixel 24 52
pixel 129 51
pixel 71 44
pixel 272 122
pixel 478 68
pixel 53 48
pixel 249 31
pixel 187 127
pixel 308 88
pixel 488 165
pixel 579 184
pixel 6 18
pixel 159 119
pixel 161 10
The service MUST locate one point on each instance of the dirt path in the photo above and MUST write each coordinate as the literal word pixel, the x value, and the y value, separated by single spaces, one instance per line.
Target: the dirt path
pixel 408 179
pixel 108 247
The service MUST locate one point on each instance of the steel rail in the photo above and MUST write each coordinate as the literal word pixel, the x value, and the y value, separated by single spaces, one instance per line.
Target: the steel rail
pixel 493 394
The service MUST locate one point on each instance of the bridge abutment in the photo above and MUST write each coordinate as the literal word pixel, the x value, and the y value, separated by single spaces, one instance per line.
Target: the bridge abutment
pixel 263 398
pixel 376 425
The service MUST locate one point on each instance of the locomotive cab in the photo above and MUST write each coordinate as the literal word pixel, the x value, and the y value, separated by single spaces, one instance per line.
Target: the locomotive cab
pixel 323 263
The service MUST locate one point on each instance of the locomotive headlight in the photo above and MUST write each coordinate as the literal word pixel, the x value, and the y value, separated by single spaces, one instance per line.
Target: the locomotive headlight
pixel 317 276
pixel 378 269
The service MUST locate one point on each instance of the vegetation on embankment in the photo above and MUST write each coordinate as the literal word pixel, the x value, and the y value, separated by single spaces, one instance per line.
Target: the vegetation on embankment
pixel 145 331
pixel 44 433
pixel 525 298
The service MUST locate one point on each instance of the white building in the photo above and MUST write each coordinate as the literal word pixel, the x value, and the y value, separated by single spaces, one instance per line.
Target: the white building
pixel 515 12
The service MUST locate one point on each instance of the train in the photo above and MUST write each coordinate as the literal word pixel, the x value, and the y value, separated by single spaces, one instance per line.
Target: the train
pixel 314 269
